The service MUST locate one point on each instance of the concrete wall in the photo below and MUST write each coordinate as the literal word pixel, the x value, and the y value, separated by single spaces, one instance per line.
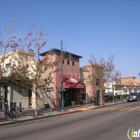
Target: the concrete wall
pixel 70 69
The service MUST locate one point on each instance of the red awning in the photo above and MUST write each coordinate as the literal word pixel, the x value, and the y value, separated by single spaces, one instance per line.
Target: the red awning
pixel 72 82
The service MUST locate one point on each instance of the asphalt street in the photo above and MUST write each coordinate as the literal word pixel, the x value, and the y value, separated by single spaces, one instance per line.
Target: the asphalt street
pixel 108 123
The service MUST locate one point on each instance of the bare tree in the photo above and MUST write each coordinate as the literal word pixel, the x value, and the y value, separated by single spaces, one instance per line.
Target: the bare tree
pixel 114 77
pixel 102 71
pixel 28 69
pixel 7 44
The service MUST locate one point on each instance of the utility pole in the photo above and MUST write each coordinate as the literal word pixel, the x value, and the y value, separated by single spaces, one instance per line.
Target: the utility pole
pixel 62 91
pixel 121 89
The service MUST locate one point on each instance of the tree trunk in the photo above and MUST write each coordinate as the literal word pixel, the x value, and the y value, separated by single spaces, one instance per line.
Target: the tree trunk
pixel 35 104
pixel 101 103
pixel 113 91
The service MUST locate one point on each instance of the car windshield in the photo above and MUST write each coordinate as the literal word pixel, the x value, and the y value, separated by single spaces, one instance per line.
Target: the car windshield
pixel 133 94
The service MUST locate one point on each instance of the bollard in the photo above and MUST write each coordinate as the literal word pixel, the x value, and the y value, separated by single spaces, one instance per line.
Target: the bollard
pixel 20 106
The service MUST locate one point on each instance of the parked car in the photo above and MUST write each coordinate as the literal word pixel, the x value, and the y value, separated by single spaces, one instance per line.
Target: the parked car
pixel 133 97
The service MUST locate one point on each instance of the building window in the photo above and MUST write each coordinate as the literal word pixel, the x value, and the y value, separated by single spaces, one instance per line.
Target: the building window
pixel 8 69
pixel 73 63
pixel 63 61
pixel 68 62
pixel 8 65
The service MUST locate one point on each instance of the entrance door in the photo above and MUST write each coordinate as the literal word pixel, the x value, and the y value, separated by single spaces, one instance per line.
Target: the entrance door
pixel 30 98
pixel 5 94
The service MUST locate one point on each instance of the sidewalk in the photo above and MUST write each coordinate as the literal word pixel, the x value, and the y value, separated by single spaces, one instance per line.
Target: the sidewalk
pixel 28 114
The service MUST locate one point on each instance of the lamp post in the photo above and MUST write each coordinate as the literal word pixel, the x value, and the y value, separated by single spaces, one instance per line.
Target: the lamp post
pixel 62 94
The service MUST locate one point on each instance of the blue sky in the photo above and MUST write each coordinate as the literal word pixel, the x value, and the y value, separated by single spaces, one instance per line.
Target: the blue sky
pixel 97 27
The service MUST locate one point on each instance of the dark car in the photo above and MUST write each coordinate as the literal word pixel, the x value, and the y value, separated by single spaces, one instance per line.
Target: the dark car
pixel 133 97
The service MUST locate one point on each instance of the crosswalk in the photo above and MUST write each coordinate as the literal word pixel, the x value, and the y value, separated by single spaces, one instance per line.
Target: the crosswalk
pixel 136 108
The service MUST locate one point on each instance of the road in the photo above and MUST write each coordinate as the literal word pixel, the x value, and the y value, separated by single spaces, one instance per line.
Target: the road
pixel 109 123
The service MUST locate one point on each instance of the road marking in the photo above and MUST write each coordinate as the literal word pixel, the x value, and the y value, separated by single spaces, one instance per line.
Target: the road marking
pixel 117 108
pixel 134 108
pixel 125 108
pixel 103 109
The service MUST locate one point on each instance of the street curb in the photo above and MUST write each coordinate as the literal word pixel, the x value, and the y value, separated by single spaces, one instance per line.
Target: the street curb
pixel 49 116
pixel 106 105
pixel 70 112
pixel 27 120
pixel 37 118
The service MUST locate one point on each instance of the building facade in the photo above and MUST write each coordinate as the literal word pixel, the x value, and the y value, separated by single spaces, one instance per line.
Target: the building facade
pixel 124 86
pixel 9 93
pixel 67 79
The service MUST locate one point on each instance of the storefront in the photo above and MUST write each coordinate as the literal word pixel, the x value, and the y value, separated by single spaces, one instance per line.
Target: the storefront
pixel 72 87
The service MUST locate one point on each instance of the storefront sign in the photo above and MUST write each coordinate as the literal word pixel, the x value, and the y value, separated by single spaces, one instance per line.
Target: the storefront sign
pixel 73 80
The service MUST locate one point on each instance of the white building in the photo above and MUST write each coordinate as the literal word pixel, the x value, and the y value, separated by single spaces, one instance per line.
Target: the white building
pixel 126 85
